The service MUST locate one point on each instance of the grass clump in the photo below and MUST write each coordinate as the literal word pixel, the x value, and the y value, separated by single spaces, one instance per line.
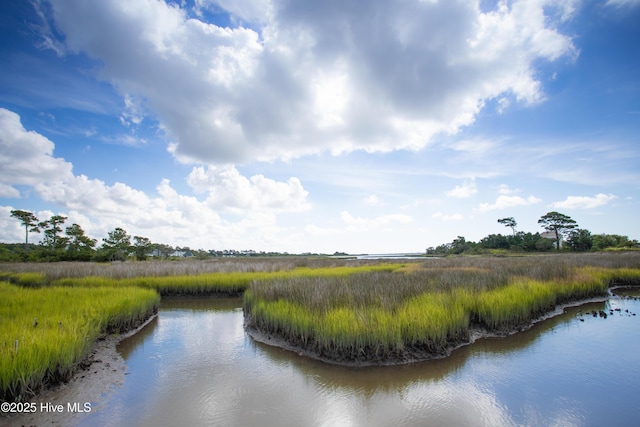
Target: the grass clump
pixel 47 332
pixel 407 313
pixel 231 283
pixel 25 279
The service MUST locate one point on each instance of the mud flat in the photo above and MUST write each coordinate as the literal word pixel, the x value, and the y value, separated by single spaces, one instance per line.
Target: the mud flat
pixel 97 375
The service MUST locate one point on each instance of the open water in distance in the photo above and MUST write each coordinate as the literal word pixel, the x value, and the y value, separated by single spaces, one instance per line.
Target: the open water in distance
pixel 195 366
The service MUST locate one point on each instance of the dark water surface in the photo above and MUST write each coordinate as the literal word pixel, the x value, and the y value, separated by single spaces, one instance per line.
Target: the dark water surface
pixel 195 366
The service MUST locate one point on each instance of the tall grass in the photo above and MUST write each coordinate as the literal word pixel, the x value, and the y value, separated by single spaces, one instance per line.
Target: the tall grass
pixel 227 283
pixel 26 279
pixel 347 309
pixel 46 332
pixel 186 267
pixel 383 315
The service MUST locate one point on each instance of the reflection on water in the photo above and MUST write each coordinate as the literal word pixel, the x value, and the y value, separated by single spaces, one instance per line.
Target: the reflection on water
pixel 195 365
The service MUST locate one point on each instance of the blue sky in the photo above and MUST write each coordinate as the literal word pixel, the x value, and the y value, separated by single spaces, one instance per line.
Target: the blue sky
pixel 357 126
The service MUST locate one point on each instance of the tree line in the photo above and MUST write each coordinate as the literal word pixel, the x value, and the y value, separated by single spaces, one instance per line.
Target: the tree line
pixel 72 244
pixel 561 233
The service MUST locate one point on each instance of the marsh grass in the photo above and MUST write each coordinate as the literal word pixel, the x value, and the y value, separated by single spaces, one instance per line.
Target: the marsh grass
pixel 425 309
pixel 49 324
pixel 186 267
pixel 46 332
pixel 344 310
pixel 226 283
pixel 25 279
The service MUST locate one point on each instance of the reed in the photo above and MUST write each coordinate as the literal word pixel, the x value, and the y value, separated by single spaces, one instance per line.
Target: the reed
pixel 47 331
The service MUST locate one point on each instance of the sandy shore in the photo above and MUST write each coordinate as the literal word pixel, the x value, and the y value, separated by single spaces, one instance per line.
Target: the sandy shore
pixel 102 371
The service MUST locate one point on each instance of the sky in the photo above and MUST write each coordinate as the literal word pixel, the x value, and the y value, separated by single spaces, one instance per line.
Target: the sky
pixel 319 126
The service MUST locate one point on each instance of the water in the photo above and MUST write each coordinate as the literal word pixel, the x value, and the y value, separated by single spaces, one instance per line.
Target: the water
pixel 195 365
pixel 399 256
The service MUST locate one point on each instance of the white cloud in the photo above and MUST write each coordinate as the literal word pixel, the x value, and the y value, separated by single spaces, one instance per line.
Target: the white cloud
pixel 503 104
pixel 467 189
pixel 444 217
pixel 304 78
pixel 10 228
pixel 503 202
pixel 379 229
pixel 27 159
pixel 373 200
pixel 367 224
pixel 8 191
pixel 475 147
pixel 584 202
pixel 505 189
pixel 246 10
pixel 123 139
pixel 623 3
pixel 227 189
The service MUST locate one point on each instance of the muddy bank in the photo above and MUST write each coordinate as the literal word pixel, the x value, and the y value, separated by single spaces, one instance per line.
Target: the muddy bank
pixel 65 404
pixel 410 355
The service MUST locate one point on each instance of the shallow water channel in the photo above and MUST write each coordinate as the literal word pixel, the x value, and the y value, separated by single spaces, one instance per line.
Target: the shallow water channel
pixel 195 365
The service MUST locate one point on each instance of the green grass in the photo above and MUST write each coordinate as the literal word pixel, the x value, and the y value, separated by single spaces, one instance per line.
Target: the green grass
pixel 46 332
pixel 226 283
pixel 49 324
pixel 342 310
pixel 187 267
pixel 387 315
pixel 26 279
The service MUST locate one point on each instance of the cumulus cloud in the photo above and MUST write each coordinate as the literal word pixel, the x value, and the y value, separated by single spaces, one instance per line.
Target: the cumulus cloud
pixel 27 159
pixel 584 202
pixel 9 191
pixel 503 201
pixel 228 189
pixel 467 189
pixel 296 78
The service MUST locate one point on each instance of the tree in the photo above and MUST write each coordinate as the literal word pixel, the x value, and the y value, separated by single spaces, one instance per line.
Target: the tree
pixel 161 250
pixel 52 232
pixel 603 241
pixel 557 223
pixel 580 240
pixel 509 222
pixel 117 245
pixel 459 245
pixel 494 241
pixel 30 223
pixel 141 247
pixel 81 247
